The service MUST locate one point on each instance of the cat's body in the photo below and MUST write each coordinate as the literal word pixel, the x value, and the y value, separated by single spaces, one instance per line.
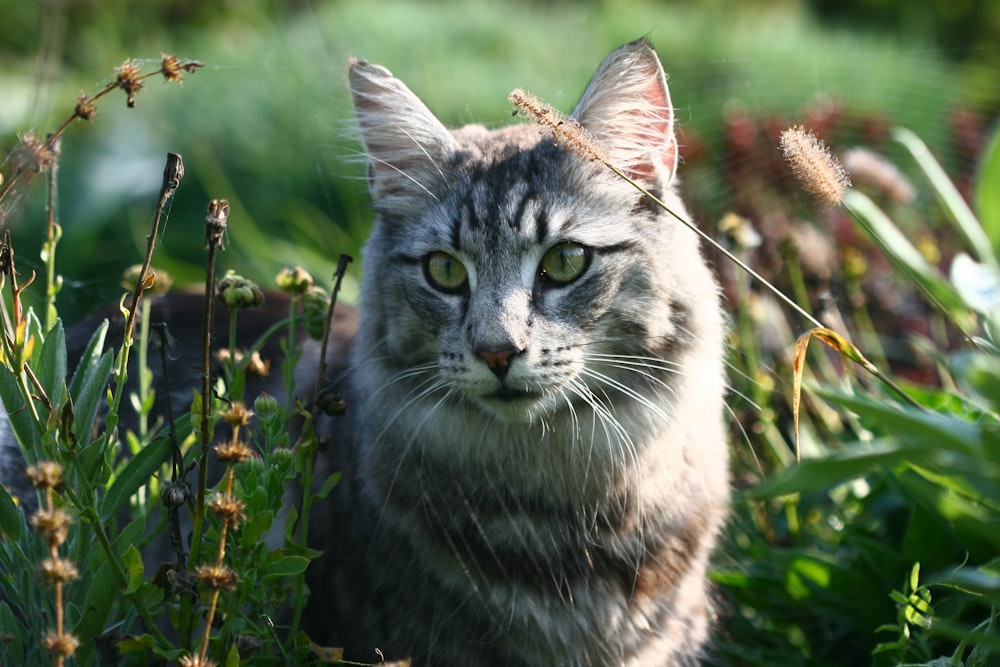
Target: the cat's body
pixel 535 463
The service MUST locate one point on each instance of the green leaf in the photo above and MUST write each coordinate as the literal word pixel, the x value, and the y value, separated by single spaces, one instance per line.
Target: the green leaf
pixel 19 416
pixel 10 516
pixel 987 195
pixel 135 473
pixel 976 581
pixel 97 605
pixel 233 657
pixel 328 486
pixel 50 362
pixel 286 566
pixel 133 563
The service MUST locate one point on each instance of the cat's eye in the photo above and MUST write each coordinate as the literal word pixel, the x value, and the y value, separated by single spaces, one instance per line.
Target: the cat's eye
pixel 564 262
pixel 444 272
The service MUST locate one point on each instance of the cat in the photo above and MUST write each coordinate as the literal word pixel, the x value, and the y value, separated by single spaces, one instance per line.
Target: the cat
pixel 535 465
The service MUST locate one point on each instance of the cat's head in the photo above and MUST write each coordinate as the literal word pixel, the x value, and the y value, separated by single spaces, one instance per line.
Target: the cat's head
pixel 508 273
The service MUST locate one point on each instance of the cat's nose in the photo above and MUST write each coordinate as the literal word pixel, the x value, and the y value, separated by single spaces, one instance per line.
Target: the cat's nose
pixel 498 360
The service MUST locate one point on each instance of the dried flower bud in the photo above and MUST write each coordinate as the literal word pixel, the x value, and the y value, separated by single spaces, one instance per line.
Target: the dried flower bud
pixel 238 293
pixel 194 661
pixel 229 509
pixel 64 644
pixel 53 524
pixel 233 452
pixel 237 414
pixel 45 475
pixel 129 80
pixel 85 108
pixel 295 281
pixel 812 163
pixel 217 577
pixel 58 570
pixel 33 154
pixel 175 494
pixel 170 67
pixel 315 309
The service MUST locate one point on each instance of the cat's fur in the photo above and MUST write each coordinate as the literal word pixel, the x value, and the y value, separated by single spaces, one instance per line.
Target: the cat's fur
pixel 535 472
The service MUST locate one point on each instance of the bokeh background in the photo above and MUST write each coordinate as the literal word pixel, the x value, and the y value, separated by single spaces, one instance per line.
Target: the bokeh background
pixel 804 579
pixel 266 123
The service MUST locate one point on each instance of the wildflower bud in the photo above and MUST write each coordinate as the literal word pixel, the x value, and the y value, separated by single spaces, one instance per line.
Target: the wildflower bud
pixel 315 309
pixel 265 405
pixel 295 281
pixel 238 293
pixel 175 494
pixel 281 456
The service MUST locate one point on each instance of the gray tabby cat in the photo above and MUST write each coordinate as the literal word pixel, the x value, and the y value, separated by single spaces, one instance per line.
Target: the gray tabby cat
pixel 537 469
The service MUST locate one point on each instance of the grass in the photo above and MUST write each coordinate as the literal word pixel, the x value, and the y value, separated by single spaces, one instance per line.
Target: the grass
pixel 880 547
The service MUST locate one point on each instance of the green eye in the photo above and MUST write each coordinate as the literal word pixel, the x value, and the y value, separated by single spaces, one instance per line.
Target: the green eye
pixel 444 272
pixel 565 262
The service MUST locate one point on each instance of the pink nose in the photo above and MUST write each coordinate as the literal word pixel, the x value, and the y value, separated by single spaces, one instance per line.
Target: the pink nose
pixel 497 360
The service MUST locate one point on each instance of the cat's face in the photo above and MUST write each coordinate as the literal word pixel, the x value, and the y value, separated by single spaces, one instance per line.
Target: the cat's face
pixel 509 274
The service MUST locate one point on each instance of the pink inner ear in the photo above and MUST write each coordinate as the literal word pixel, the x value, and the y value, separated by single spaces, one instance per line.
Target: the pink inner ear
pixel 657 133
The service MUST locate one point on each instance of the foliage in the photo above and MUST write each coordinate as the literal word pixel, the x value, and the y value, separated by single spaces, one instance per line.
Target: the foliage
pixel 882 542
pixel 97 565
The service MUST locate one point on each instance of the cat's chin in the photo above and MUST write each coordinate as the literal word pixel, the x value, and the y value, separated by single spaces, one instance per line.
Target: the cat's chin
pixel 517 406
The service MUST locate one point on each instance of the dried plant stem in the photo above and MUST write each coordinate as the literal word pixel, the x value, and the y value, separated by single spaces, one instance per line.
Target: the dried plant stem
pixel 338 275
pixel 216 221
pixel 172 175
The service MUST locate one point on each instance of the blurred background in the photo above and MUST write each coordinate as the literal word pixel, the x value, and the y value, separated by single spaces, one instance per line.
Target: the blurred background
pixel 804 579
pixel 266 123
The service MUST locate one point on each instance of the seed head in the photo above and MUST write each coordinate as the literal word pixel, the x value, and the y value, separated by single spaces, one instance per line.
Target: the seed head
pixel 229 509
pixel 870 168
pixel 53 524
pixel 58 570
pixel 812 163
pixel 64 644
pixel 85 108
pixel 45 475
pixel 129 80
pixel 195 661
pixel 565 130
pixel 33 154
pixel 238 414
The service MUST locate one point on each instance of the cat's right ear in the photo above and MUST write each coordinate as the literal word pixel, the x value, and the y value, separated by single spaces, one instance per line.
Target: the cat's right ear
pixel 406 145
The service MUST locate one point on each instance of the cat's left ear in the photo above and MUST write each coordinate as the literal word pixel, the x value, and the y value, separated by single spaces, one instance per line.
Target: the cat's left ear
pixel 626 107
